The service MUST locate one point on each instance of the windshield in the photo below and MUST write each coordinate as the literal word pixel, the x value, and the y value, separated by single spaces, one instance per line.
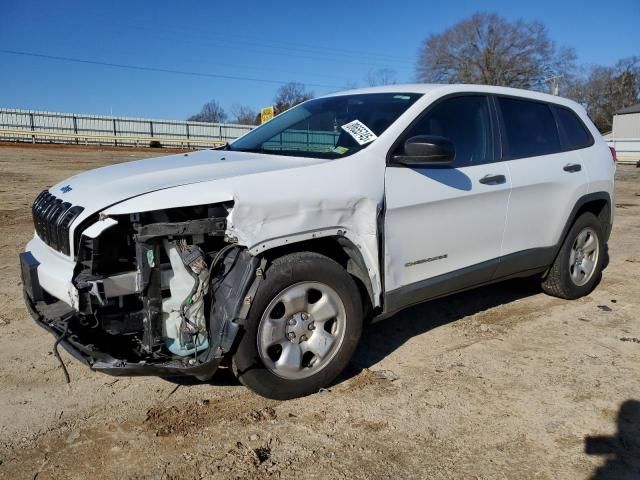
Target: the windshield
pixel 327 127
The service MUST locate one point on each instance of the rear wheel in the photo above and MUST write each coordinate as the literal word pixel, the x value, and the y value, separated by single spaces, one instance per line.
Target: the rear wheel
pixel 578 266
pixel 302 329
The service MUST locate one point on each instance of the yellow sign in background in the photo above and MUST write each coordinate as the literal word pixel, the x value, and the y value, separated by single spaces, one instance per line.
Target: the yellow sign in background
pixel 267 113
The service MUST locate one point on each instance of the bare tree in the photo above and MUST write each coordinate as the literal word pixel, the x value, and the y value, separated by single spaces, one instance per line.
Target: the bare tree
pixel 605 90
pixel 290 95
pixel 381 76
pixel 348 85
pixel 243 115
pixel 211 112
pixel 489 49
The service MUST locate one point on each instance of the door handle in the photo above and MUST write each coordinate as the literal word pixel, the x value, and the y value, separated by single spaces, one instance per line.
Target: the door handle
pixel 493 179
pixel 572 167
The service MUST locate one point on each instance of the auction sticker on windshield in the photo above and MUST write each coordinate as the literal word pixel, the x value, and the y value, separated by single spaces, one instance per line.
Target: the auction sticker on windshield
pixel 360 132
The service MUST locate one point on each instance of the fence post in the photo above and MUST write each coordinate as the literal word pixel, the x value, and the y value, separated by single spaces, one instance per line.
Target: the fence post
pixel 115 133
pixel 75 127
pixel 33 137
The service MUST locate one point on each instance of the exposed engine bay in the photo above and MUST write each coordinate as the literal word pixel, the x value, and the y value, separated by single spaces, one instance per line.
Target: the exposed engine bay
pixel 161 292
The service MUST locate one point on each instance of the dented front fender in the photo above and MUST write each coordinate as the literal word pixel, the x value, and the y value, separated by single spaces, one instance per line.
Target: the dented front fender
pixel 273 208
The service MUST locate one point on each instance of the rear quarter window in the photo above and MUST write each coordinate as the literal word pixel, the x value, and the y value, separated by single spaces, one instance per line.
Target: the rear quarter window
pixel 529 128
pixel 575 133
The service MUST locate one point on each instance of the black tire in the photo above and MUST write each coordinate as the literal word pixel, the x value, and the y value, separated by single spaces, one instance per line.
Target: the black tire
pixel 558 282
pixel 280 274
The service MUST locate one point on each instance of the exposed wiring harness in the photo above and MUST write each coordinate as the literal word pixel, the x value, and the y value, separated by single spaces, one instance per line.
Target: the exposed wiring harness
pixel 193 258
pixel 57 354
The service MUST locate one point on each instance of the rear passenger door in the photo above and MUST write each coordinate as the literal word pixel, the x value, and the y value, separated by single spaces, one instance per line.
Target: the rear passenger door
pixel 547 178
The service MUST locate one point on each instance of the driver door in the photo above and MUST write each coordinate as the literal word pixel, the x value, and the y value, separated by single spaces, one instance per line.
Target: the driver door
pixel 443 226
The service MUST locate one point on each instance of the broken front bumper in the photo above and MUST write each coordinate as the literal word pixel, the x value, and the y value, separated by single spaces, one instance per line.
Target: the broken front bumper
pixel 232 292
pixel 57 317
pixel 62 321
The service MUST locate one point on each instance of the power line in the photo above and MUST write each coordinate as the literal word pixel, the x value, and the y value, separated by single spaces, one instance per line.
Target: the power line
pixel 263 49
pixel 287 49
pixel 157 69
pixel 186 33
pixel 377 57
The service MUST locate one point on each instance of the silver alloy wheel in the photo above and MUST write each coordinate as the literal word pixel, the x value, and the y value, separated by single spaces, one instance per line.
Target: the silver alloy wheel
pixel 301 330
pixel 584 256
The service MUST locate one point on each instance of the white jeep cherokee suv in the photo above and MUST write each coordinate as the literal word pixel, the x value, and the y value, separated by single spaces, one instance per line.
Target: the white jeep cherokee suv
pixel 268 253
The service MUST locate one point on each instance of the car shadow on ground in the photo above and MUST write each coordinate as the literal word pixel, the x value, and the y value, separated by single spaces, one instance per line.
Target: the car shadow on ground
pixel 622 450
pixel 381 339
pixel 223 377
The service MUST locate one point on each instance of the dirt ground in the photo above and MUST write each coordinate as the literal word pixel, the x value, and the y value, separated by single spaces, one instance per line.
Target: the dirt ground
pixel 502 382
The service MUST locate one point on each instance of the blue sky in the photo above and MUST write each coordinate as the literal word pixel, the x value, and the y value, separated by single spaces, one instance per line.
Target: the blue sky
pixel 331 44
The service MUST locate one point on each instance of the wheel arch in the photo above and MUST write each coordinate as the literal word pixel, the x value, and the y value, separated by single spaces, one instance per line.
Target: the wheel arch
pixel 340 249
pixel 598 203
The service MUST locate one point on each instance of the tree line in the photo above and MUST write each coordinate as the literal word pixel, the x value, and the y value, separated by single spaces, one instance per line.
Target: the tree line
pixel 287 96
pixel 491 50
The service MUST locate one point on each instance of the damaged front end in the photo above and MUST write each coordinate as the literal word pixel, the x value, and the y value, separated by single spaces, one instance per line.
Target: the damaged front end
pixel 159 293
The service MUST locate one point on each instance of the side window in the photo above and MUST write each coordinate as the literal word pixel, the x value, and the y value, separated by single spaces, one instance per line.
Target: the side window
pixel 465 121
pixel 530 128
pixel 577 135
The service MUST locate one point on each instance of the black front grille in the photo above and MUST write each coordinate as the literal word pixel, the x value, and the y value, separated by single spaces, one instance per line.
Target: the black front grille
pixel 52 218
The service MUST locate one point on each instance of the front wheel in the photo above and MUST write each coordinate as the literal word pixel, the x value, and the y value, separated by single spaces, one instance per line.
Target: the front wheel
pixel 302 329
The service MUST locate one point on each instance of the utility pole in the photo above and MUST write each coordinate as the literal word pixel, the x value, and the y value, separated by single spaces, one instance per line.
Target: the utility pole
pixel 555 84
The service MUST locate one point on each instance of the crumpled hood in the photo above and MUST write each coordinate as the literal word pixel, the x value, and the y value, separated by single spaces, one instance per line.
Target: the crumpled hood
pixel 97 189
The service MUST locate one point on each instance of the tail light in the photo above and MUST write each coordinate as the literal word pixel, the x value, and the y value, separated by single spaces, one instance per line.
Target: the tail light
pixel 614 154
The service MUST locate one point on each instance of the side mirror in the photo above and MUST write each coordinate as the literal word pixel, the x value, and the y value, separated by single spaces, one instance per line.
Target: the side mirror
pixel 426 150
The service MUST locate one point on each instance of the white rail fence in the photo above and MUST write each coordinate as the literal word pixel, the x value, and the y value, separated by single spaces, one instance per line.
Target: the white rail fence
pixel 54 127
